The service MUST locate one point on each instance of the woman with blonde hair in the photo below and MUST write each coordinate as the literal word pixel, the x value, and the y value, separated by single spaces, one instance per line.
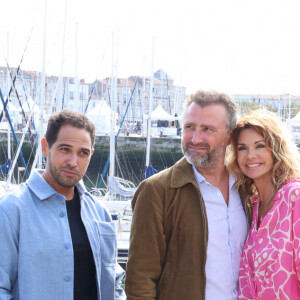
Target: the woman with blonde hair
pixel 266 164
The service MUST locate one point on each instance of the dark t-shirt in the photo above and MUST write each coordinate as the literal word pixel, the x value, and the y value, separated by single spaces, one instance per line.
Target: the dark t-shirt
pixel 85 286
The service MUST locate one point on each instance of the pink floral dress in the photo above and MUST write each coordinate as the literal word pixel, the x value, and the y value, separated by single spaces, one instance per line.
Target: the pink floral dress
pixel 270 265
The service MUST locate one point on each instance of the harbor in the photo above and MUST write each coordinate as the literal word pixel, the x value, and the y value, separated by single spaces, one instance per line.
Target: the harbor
pixel 130 152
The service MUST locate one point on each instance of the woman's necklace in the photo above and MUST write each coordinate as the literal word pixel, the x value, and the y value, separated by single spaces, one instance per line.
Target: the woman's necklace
pixel 263 209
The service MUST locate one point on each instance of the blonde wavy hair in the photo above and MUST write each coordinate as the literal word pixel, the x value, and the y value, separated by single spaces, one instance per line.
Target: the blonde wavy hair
pixel 277 138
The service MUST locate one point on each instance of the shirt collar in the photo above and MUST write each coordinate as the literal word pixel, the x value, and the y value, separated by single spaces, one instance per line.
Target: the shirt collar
pixel 43 190
pixel 201 179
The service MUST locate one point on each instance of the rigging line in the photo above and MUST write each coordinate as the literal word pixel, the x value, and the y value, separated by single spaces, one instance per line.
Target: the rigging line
pixel 118 164
pixel 20 103
pixel 163 159
pixel 172 157
pixel 100 164
pixel 122 171
pixel 116 139
pixel 141 163
pixel 133 175
pixel 14 134
pixel 92 92
pixel 95 82
pixel 18 70
pixel 96 180
pixel 13 81
pixel 96 163
pixel 127 165
pixel 130 167
pixel 88 178
pixel 169 100
pixel 33 124
pixel 7 98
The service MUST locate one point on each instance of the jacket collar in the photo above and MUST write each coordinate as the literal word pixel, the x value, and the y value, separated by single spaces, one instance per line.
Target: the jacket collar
pixel 43 190
pixel 182 174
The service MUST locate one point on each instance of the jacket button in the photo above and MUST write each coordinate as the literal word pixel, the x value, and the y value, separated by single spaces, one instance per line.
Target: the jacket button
pixel 61 214
pixel 67 278
pixel 67 245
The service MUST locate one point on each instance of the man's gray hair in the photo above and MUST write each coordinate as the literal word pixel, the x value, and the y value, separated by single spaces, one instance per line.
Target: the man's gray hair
pixel 205 98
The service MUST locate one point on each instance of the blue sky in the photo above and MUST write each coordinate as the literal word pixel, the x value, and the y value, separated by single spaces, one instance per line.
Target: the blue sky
pixel 236 46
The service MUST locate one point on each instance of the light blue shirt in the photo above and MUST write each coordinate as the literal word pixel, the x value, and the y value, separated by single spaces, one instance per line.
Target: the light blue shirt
pixel 227 231
pixel 36 253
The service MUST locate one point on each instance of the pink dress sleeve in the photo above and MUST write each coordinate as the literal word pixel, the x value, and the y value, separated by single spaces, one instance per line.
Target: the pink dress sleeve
pixel 295 201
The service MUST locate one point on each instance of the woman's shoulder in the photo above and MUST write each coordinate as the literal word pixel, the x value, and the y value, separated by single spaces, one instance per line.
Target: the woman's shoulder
pixel 290 190
pixel 291 184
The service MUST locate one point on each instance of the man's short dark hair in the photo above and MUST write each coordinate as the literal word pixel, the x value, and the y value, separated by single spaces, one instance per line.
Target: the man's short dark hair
pixel 68 117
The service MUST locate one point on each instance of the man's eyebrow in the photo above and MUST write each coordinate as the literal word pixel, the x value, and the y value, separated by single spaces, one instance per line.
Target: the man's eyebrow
pixel 195 123
pixel 202 125
pixel 85 149
pixel 64 145
pixel 70 146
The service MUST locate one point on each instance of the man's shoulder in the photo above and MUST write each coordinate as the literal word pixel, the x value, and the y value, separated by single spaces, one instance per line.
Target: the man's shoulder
pixel 14 200
pixel 174 176
pixel 15 193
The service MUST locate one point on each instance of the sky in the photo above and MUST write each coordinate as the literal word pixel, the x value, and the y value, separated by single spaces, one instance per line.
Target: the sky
pixel 233 46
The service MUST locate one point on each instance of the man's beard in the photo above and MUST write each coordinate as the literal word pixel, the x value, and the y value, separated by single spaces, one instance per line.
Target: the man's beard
pixel 57 175
pixel 205 161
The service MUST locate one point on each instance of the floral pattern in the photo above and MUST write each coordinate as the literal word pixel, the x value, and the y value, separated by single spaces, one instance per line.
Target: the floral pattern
pixel 270 265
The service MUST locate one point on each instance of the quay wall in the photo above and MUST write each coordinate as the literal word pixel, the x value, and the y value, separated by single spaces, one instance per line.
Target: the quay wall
pixel 130 155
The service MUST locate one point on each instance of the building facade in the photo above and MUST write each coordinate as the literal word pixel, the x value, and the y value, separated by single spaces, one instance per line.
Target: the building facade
pixel 64 93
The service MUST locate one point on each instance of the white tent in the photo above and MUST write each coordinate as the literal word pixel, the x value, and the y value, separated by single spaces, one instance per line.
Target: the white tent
pixel 294 121
pixel 160 114
pixel 294 126
pixel 10 107
pixel 29 105
pixel 14 114
pixel 100 116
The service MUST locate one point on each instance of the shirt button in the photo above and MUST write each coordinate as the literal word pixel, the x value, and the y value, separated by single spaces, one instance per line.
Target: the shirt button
pixel 67 245
pixel 61 214
pixel 67 278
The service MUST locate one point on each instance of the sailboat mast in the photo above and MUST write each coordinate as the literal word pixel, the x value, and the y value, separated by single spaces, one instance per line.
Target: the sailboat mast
pixel 142 100
pixel 112 115
pixel 59 84
pixel 7 93
pixel 150 109
pixel 76 92
pixel 42 91
pixel 290 104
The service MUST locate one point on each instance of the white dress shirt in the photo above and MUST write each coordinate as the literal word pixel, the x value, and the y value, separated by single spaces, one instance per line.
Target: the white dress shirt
pixel 227 231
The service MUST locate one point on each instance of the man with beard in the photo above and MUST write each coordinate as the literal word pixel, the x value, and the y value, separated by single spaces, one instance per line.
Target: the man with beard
pixel 57 241
pixel 189 225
